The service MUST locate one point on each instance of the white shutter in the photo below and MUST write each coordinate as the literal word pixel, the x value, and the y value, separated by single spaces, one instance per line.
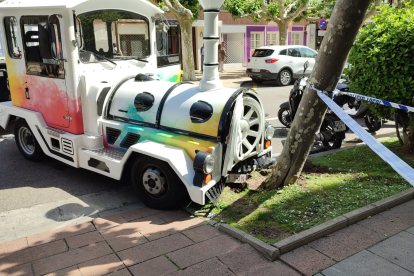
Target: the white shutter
pixel 272 38
pixel 256 40
pixel 297 38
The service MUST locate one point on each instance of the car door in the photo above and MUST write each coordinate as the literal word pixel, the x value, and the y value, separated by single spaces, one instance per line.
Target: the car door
pixel 295 61
pixel 308 55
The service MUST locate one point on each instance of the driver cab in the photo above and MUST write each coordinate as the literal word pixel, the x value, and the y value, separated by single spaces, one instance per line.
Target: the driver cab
pixel 58 51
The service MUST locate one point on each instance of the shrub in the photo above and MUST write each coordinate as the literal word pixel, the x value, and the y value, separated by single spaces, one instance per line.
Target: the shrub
pixel 383 66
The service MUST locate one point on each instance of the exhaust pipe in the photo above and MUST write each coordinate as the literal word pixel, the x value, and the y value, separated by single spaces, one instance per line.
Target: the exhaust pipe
pixel 211 79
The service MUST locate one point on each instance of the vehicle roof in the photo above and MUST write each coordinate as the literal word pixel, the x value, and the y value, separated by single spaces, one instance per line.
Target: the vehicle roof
pixel 277 47
pixel 69 4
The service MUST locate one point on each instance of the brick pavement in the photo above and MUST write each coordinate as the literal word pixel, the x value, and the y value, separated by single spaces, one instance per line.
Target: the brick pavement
pixel 149 242
pixel 140 242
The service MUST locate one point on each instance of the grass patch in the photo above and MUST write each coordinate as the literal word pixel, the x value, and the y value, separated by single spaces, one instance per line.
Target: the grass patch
pixel 330 186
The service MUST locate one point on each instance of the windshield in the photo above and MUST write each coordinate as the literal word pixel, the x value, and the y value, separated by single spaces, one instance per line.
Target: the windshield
pixel 113 34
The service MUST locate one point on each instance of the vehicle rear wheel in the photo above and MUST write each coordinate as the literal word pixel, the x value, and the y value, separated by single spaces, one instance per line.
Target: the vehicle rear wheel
pixel 156 184
pixel 26 141
pixel 332 140
pixel 372 122
pixel 284 78
pixel 284 117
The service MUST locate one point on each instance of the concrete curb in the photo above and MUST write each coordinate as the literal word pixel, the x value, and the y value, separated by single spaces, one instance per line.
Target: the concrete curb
pixel 270 252
pixel 317 232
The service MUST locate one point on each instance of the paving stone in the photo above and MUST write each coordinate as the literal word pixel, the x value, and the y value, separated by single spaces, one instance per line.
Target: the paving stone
pixel 19 270
pixel 71 258
pixel 61 233
pixel 203 251
pixel 124 236
pixel 156 232
pixel 101 266
pixel 211 267
pixel 401 213
pixel 307 260
pixel 365 263
pixel 154 249
pixel 346 242
pixel 243 258
pixel 170 216
pixel 410 230
pixel 139 213
pixel 70 271
pixel 384 225
pixel 13 246
pixel 397 249
pixel 155 267
pixel 147 222
pixel 84 239
pixel 272 269
pixel 202 233
pixel 108 221
pixel 31 254
pixel 122 272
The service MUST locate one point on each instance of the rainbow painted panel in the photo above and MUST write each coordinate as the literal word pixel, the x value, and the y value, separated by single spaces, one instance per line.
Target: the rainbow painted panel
pixel 189 144
pixel 170 73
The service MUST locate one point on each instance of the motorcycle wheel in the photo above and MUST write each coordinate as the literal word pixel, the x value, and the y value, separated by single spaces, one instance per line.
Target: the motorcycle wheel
pixel 333 141
pixel 372 122
pixel 284 117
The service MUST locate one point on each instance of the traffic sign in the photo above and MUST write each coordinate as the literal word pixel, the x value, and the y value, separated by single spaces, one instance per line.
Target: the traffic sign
pixel 322 24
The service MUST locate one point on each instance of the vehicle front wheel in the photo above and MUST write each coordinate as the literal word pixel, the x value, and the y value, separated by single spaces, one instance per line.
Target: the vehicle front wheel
pixel 26 141
pixel 284 117
pixel 284 78
pixel 156 184
pixel 332 140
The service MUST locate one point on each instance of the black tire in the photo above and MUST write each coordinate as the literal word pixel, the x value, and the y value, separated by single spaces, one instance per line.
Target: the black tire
pixel 26 142
pixel 173 189
pixel 257 80
pixel 333 142
pixel 284 77
pixel 284 117
pixel 372 122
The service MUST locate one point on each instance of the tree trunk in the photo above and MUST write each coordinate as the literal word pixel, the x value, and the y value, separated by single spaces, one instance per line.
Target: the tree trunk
pixel 343 28
pixel 408 131
pixel 187 49
pixel 283 32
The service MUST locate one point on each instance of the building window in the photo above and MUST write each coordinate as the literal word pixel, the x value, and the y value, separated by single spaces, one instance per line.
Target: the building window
pixel 13 37
pixel 297 38
pixel 256 40
pixel 272 38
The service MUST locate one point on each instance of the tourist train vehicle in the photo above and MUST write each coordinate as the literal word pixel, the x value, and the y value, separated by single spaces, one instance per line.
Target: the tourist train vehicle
pixel 85 85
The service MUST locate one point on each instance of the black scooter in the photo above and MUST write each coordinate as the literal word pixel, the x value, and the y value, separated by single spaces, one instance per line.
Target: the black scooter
pixel 332 131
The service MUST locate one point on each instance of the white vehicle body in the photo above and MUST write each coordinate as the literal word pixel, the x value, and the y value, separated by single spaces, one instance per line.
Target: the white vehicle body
pixel 104 111
pixel 281 63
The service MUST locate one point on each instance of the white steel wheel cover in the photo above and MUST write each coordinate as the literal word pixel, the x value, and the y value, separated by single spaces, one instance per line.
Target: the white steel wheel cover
pixel 249 129
pixel 285 77
pixel 26 140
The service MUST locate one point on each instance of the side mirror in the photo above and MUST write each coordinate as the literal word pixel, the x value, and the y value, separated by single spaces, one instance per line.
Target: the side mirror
pixel 306 65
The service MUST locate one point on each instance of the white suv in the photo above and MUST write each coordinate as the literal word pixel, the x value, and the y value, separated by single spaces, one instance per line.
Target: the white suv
pixel 280 63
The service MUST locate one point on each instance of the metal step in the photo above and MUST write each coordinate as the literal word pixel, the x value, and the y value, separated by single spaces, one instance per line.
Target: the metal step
pixel 109 154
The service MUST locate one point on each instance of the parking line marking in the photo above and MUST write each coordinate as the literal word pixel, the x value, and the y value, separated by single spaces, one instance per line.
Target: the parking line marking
pixel 272 119
pixel 254 86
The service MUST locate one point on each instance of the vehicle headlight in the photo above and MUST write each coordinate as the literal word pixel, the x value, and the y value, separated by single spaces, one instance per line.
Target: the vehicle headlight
pixel 270 131
pixel 204 161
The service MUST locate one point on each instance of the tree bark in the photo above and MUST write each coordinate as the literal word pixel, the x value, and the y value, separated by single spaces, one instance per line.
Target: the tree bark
pixel 283 32
pixel 187 49
pixel 343 28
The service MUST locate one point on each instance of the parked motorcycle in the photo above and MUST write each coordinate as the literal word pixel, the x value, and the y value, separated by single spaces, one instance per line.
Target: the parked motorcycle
pixel 373 123
pixel 332 131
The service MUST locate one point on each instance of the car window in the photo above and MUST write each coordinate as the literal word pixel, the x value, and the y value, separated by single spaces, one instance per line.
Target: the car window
pixel 262 53
pixel 308 53
pixel 294 52
pixel 283 52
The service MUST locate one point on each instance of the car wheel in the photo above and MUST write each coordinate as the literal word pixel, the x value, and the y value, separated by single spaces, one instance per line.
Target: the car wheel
pixel 156 184
pixel 257 80
pixel 284 78
pixel 26 141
